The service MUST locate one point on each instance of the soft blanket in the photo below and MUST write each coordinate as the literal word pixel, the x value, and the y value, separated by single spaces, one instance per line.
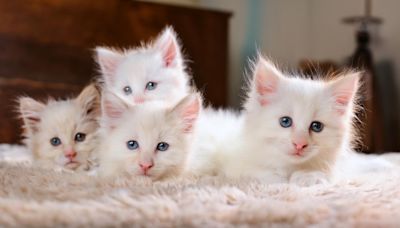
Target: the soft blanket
pixel 34 197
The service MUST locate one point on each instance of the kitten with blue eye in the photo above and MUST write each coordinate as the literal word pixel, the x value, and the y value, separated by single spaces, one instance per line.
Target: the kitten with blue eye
pixel 292 129
pixel 151 140
pixel 62 133
pixel 298 127
pixel 153 72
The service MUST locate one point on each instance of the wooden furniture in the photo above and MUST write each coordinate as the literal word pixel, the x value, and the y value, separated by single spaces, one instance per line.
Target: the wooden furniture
pixel 46 46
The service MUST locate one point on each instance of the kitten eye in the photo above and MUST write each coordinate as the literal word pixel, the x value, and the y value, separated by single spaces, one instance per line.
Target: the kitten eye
pixel 55 141
pixel 132 144
pixel 285 121
pixel 316 126
pixel 127 90
pixel 151 85
pixel 80 137
pixel 162 146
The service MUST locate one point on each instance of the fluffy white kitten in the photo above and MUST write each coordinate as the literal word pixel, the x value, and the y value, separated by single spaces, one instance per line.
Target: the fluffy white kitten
pixel 62 133
pixel 150 140
pixel 291 128
pixel 297 127
pixel 149 73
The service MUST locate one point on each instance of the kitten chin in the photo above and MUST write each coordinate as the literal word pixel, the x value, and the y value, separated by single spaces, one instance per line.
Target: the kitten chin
pixel 153 72
pixel 62 133
pixel 150 140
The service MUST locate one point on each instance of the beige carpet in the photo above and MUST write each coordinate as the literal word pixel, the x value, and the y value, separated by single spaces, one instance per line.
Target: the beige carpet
pixel 35 197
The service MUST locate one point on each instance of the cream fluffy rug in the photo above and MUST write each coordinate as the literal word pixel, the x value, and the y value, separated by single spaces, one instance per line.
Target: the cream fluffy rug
pixel 34 197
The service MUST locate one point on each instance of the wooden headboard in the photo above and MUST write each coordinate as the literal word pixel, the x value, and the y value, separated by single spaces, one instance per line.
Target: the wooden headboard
pixel 46 46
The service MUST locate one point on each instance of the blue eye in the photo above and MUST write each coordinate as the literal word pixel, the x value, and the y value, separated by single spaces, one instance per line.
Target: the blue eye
pixel 132 144
pixel 80 137
pixel 127 90
pixel 285 121
pixel 162 146
pixel 151 85
pixel 316 126
pixel 55 141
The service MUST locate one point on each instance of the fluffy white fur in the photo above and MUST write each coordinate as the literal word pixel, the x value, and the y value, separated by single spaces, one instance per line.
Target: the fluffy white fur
pixel 218 135
pixel 259 147
pixel 160 62
pixel 274 95
pixel 148 124
pixel 62 119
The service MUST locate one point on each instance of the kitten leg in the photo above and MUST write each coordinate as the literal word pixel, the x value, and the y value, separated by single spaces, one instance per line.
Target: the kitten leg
pixel 306 179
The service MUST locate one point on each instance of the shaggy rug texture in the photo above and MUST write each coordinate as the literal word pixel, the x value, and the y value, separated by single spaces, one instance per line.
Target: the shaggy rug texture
pixel 33 197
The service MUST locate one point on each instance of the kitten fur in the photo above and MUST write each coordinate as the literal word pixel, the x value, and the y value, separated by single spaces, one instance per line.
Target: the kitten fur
pixel 159 62
pixel 62 119
pixel 147 124
pixel 274 95
pixel 260 148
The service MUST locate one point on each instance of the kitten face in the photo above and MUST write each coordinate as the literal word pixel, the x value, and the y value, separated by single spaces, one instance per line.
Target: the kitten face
pixel 146 74
pixel 62 133
pixel 148 140
pixel 298 119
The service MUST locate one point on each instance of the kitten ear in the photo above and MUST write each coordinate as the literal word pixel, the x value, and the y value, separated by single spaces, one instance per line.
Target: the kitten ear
pixel 112 108
pixel 168 44
pixel 265 79
pixel 89 100
pixel 108 61
pixel 30 111
pixel 187 111
pixel 344 91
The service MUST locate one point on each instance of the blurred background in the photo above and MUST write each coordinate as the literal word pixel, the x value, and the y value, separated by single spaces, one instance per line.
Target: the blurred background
pixel 46 48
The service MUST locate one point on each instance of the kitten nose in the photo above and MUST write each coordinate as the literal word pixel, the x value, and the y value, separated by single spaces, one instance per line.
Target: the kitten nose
pixel 70 154
pixel 300 145
pixel 139 100
pixel 146 166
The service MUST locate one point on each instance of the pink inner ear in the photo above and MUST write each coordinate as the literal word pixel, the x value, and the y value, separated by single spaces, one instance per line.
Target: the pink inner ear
pixel 190 115
pixel 266 80
pixel 110 65
pixel 33 119
pixel 264 86
pixel 264 89
pixel 111 111
pixel 343 101
pixel 170 52
pixel 109 62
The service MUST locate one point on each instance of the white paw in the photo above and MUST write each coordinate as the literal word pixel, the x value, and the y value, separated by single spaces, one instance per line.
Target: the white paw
pixel 306 179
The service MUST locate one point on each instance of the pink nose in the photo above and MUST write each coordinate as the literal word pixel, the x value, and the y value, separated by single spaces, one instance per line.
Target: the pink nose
pixel 139 100
pixel 146 166
pixel 300 145
pixel 70 154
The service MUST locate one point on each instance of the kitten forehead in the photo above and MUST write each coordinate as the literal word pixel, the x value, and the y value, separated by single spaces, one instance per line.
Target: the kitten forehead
pixel 140 63
pixel 62 114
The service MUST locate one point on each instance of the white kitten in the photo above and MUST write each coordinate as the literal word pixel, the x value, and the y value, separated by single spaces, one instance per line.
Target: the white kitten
pixel 61 133
pixel 151 139
pixel 297 127
pixel 290 128
pixel 149 73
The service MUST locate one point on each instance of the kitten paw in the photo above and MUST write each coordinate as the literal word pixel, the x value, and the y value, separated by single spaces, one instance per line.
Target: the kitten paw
pixel 306 179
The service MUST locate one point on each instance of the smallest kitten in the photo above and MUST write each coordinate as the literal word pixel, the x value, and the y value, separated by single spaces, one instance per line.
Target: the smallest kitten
pixel 61 133
pixel 150 140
